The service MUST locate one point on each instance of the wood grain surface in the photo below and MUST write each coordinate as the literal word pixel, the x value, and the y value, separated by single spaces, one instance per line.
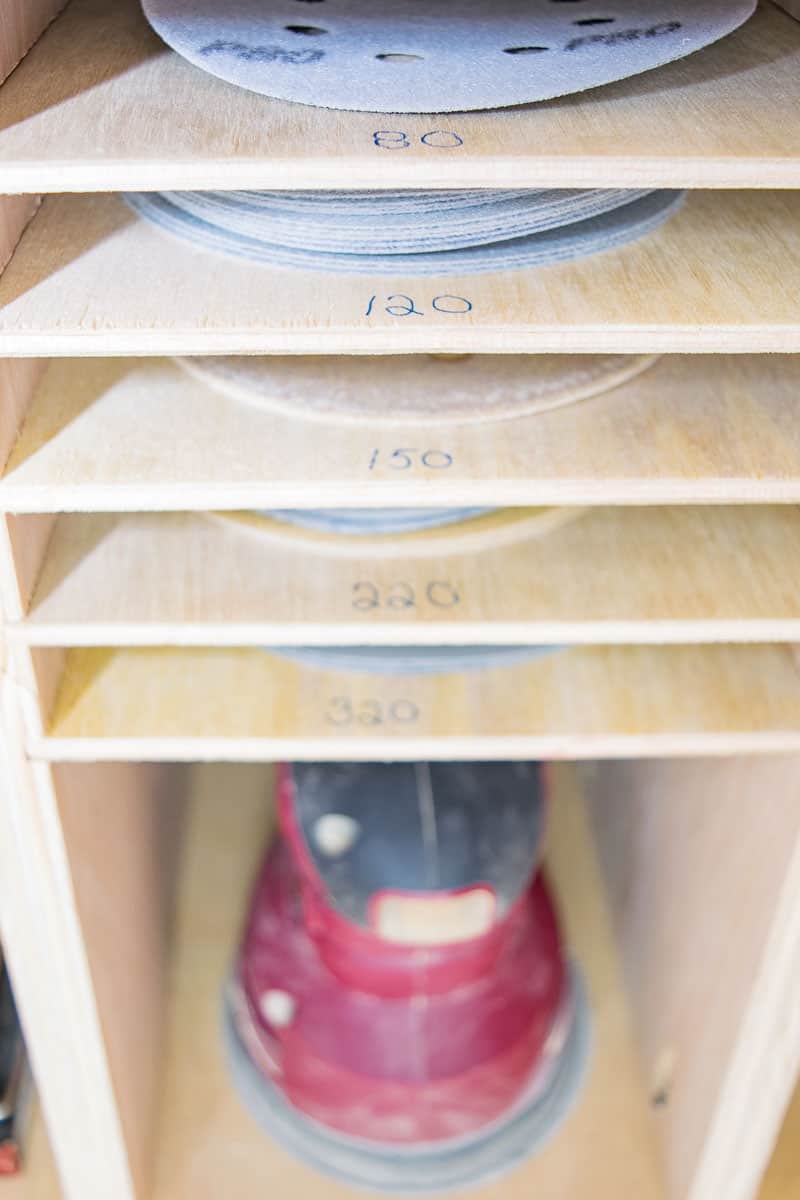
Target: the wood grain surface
pixel 586 702
pixel 130 434
pixel 605 576
pixel 21 23
pixel 90 277
pixel 702 865
pixel 102 104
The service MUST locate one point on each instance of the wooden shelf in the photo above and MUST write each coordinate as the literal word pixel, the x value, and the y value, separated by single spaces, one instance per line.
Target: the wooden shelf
pixel 598 702
pixel 140 434
pixel 601 576
pixel 210 1146
pixel 132 115
pixel 89 277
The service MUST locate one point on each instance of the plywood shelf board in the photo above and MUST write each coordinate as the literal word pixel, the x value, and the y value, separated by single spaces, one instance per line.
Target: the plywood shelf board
pixel 247 704
pixel 132 115
pixel 89 277
pixel 690 850
pixel 605 576
pixel 126 434
pixel 210 1145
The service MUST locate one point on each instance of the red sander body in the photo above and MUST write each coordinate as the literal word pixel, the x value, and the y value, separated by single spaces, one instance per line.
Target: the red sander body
pixel 402 1015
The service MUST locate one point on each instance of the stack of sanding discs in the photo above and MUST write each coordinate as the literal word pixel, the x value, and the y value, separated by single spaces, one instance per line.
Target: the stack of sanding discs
pixel 409 232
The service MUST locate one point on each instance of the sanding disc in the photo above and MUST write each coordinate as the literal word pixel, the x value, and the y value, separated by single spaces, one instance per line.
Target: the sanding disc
pixel 424 1168
pixel 411 221
pixel 411 660
pixel 439 537
pixel 435 55
pixel 405 389
pixel 218 229
pixel 367 522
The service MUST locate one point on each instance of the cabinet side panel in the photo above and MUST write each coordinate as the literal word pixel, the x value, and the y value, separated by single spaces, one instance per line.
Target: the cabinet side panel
pixel 21 23
pixel 792 7
pixel 43 943
pixel 702 860
pixel 120 824
pixel 15 213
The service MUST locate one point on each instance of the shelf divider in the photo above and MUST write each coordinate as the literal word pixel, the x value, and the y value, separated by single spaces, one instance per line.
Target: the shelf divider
pixel 89 277
pixel 132 115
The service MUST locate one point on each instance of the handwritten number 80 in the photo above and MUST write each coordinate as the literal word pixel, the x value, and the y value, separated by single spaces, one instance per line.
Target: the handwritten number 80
pixel 438 139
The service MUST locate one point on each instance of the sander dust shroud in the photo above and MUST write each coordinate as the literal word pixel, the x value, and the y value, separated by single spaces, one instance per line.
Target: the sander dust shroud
pixel 401 1014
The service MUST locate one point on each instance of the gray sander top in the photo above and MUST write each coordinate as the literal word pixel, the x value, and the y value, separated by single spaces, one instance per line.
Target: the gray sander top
pixel 433 56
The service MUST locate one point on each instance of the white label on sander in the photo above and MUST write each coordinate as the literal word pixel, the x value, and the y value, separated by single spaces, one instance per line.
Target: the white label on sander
pixel 435 921
pixel 428 56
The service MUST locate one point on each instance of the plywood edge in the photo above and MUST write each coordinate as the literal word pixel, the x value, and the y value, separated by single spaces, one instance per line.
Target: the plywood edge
pixel 765 1065
pixel 474 748
pixel 120 824
pixel 702 864
pixel 235 634
pixel 521 338
pixel 759 172
pixel 77 496
pixel 43 942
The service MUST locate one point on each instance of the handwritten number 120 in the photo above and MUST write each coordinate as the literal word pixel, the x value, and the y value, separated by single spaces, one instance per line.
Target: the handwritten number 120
pixel 400 305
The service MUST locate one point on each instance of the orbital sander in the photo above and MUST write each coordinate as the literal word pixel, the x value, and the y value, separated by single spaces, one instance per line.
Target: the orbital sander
pixel 402 1015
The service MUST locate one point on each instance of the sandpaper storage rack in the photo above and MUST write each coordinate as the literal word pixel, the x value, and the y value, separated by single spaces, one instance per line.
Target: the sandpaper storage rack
pixel 134 620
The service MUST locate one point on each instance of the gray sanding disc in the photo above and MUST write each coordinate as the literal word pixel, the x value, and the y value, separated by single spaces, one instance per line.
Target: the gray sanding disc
pixel 411 388
pixel 218 229
pixel 411 221
pixel 490 531
pixel 432 56
pixel 411 660
pixel 424 1169
pixel 367 522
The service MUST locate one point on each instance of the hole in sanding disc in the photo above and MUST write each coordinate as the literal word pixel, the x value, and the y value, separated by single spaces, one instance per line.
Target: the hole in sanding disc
pixel 399 58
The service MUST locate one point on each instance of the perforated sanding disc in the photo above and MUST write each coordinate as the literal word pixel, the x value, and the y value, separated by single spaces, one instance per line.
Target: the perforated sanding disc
pixel 436 55
pixel 403 389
